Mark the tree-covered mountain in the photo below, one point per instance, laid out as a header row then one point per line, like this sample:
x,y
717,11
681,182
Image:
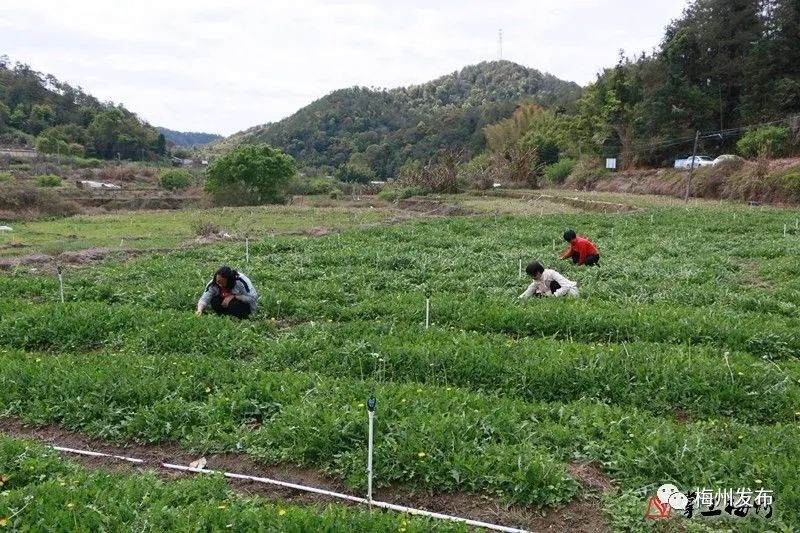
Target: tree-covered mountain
x,y
39,110
188,138
381,130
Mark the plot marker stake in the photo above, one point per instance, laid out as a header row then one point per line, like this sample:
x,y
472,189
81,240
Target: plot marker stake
x,y
60,283
371,402
427,309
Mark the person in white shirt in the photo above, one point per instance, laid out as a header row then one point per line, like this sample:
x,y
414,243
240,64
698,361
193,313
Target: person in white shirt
x,y
547,282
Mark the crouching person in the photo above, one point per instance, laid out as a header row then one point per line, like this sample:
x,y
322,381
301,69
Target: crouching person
x,y
229,293
547,282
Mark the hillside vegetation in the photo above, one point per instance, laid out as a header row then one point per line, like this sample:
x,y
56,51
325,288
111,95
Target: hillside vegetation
x,y
37,110
380,130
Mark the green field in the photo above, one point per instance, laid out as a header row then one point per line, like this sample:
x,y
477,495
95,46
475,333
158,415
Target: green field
x,y
157,229
678,363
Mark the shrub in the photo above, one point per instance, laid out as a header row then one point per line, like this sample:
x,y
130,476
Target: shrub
x,y
176,178
439,175
299,185
206,229
479,171
80,162
768,140
32,203
389,195
48,180
560,171
354,172
250,174
127,172
303,186
323,186
6,176
586,172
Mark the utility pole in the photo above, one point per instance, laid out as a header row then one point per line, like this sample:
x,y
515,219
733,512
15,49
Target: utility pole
x,y
500,44
691,166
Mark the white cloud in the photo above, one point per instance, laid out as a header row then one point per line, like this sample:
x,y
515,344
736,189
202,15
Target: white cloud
x,y
199,65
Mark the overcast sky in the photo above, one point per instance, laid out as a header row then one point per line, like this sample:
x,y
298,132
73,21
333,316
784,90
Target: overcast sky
x,y
224,66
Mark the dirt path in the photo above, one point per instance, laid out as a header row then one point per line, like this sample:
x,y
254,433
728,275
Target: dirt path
x,y
582,515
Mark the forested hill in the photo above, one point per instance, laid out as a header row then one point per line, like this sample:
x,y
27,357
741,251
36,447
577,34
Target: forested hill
x,y
383,129
38,110
188,138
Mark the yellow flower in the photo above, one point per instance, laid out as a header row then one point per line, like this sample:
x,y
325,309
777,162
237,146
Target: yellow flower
x,y
70,505
220,507
208,389
421,454
281,512
361,405
3,521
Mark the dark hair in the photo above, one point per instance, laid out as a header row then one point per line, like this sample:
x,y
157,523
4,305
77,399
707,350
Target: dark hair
x,y
569,235
533,268
228,273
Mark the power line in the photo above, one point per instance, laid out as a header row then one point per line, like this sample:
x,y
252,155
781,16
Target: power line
x,y
705,135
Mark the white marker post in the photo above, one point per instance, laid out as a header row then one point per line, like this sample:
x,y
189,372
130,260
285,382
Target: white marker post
x,y
427,309
371,402
60,283
520,268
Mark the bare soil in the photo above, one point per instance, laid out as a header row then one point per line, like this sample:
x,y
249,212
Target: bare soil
x,y
582,515
590,475
74,257
429,207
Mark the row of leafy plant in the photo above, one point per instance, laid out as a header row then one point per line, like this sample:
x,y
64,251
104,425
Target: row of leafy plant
x,y
657,377
430,437
41,491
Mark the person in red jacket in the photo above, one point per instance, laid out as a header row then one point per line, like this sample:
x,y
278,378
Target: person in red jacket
x,y
581,250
